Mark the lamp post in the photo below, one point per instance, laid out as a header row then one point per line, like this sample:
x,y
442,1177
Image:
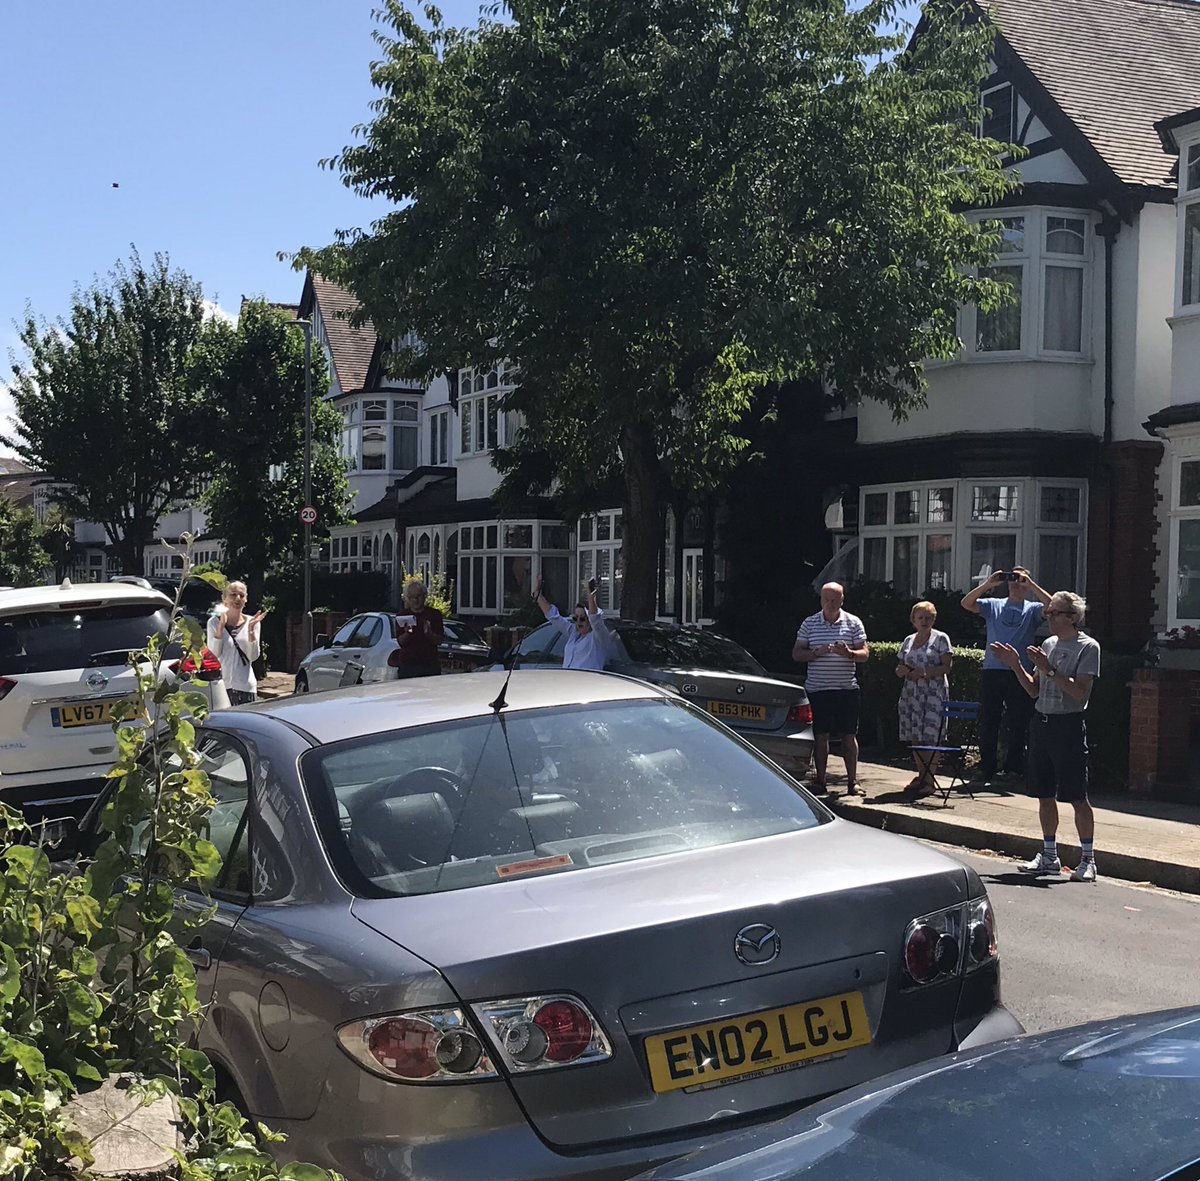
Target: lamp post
x,y
307,325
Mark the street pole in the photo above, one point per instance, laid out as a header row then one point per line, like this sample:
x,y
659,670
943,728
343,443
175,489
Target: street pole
x,y
308,622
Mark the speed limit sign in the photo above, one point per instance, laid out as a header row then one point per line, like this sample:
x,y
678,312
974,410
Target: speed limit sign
x,y
308,515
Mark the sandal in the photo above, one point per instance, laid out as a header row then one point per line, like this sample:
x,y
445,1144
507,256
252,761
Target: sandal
x,y
854,790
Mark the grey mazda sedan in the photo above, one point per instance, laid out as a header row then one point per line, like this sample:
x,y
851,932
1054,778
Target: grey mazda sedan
x,y
559,926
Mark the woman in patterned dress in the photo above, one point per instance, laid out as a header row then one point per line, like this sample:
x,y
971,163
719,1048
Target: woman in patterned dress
x,y
923,664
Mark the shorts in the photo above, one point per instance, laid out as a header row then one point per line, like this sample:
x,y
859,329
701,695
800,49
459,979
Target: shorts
x,y
835,711
1056,764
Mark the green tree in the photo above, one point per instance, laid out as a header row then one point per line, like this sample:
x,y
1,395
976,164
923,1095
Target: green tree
x,y
103,406
658,206
58,536
253,378
22,558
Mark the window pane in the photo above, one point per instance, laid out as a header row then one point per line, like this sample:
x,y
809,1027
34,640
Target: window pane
x,y
1187,599
374,449
1191,254
375,411
423,544
404,447
1062,322
603,527
1064,235
997,121
992,551
1012,234
480,410
941,506
465,419
478,537
994,502
616,526
604,576
404,411
555,537
518,537
1193,168
1000,330
875,508
1060,506
555,577
904,565
1189,483
939,560
908,506
493,412
875,558
465,597
586,524
492,533
518,582
1058,561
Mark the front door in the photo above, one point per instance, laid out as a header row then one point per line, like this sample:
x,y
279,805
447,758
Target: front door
x,y
693,585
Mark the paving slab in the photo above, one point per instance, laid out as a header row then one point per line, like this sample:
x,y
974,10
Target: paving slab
x,y
1137,840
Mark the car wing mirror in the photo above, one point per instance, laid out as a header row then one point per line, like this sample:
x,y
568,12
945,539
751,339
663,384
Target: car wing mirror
x,y
321,641
60,838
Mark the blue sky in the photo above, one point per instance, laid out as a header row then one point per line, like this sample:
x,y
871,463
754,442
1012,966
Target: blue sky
x,y
211,117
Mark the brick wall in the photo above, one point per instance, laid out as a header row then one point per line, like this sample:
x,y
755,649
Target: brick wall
x,y
1122,524
1163,702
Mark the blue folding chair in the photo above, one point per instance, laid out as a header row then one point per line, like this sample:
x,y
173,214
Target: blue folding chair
x,y
958,741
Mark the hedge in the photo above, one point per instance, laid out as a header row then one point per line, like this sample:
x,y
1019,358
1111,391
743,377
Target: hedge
x,y
1108,709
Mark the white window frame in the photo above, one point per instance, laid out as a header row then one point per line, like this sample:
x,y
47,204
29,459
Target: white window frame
x,y
438,430
400,413
1033,260
1012,118
589,545
1025,525
480,394
1186,202
1188,452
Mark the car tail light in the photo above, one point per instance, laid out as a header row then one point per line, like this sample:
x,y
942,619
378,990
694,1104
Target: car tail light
x,y
209,668
7,685
542,1032
982,944
430,1046
394,658
800,715
933,946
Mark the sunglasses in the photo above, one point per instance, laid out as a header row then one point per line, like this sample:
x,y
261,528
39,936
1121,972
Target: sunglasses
x,y
581,619
1056,611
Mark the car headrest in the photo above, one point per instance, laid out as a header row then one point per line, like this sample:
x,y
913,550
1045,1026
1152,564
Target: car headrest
x,y
410,829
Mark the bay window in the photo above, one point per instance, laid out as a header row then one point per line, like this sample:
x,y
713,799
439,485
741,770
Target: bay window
x,y
483,425
950,535
380,434
1045,263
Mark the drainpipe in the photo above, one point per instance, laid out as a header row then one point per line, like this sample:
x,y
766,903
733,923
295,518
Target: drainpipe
x,y
1108,229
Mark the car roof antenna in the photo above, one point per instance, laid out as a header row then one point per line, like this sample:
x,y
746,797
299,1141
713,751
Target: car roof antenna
x,y
501,697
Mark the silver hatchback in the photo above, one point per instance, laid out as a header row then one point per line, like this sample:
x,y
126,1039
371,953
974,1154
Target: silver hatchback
x,y
563,926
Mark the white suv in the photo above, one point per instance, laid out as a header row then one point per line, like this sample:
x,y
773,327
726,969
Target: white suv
x,y
63,665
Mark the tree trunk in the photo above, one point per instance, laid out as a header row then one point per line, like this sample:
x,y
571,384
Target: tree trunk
x,y
642,527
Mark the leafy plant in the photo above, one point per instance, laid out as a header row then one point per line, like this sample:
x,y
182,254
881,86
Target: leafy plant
x,y
22,557
92,982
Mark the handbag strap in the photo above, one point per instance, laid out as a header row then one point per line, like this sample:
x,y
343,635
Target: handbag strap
x,y
233,640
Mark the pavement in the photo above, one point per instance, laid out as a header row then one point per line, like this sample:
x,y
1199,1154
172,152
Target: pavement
x,y
1137,840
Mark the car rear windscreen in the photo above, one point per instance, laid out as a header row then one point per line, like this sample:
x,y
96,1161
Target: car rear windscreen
x,y
85,636
687,649
483,800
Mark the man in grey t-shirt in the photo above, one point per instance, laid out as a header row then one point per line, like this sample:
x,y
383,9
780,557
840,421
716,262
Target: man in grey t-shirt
x,y
1064,670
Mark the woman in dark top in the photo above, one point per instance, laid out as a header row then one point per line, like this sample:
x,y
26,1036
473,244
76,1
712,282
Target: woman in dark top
x,y
419,640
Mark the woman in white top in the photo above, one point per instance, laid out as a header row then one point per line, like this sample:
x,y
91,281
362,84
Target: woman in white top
x,y
589,642
233,640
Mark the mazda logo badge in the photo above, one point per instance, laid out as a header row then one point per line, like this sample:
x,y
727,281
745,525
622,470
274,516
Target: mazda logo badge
x,y
96,680
756,945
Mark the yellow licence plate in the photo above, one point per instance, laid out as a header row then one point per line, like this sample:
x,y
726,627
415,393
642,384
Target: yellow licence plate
x,y
725,1050
738,711
94,713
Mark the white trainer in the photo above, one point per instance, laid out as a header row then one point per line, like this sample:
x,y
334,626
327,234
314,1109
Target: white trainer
x,y
1085,871
1041,864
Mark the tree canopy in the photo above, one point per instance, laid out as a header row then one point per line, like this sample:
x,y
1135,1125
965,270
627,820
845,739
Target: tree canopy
x,y
103,404
657,207
22,558
253,379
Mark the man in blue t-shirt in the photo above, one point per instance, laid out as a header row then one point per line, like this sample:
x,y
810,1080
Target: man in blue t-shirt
x,y
1012,620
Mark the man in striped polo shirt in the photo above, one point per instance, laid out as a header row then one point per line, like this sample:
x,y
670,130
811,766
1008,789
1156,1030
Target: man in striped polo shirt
x,y
831,643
